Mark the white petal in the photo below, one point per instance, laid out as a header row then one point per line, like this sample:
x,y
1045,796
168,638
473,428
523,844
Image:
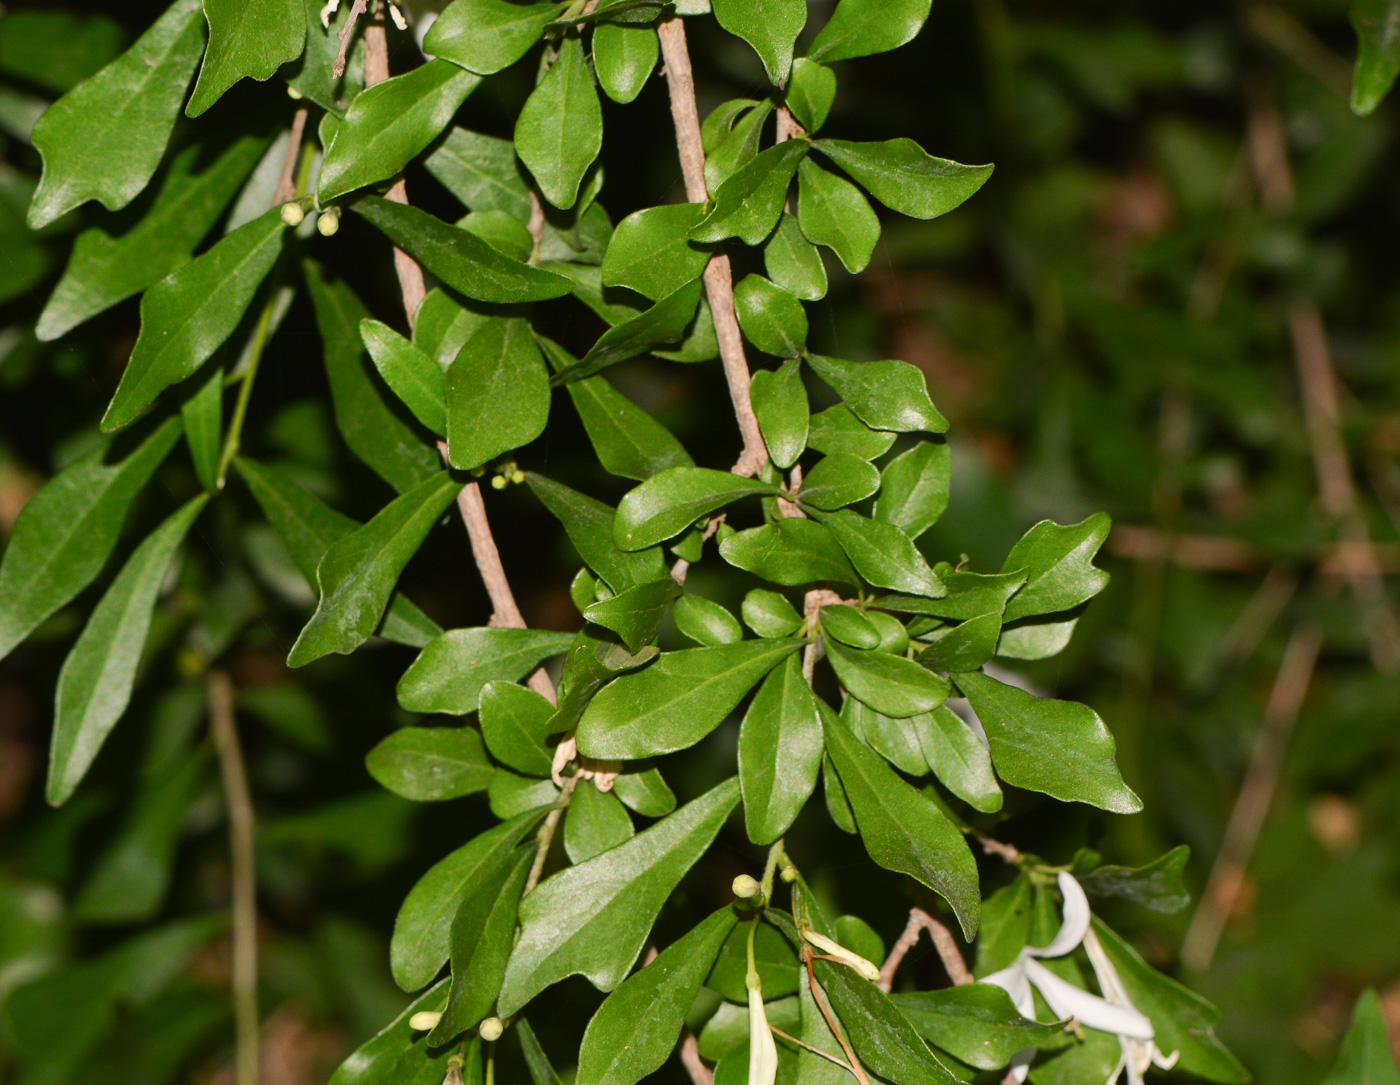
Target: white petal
x,y
763,1051
1164,1062
1110,983
1076,920
1020,1064
1013,981
1067,1000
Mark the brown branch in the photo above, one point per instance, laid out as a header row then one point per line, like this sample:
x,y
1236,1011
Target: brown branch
x,y
1007,853
820,999
338,68
1255,797
700,1074
223,727
943,942
719,279
287,183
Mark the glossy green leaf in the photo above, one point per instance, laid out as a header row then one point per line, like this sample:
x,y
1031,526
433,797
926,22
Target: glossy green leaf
x,y
903,830
422,931
889,684
780,402
838,480
896,740
832,212
772,319
497,393
459,258
812,1069
1378,52
202,415
882,553
515,724
536,1061
888,395
442,326
95,683
481,171
636,614
811,93
676,701
748,204
430,764
959,759
589,525
664,322
313,75
510,795
635,1030
104,139
1019,725
1006,926
363,415
780,752
769,614
502,231
969,594
770,26
596,821
624,58
389,124
1058,562
485,36
449,673
400,1052
859,28
963,647
793,262
560,128
736,146
187,316
904,178
705,621
247,38
1157,885
412,373
837,429
849,626
651,251
791,551
976,1023
641,788
357,574
837,805
594,918
1367,1057
667,503
774,958
66,532
914,488
628,441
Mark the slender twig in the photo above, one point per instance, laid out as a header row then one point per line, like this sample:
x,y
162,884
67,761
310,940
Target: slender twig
x,y
819,997
338,68
1274,593
545,837
1255,797
224,728
809,1047
245,388
536,225
719,279
700,1074
682,567
1008,853
287,183
943,942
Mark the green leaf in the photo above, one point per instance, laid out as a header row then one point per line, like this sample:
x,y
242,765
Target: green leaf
x,y
903,830
772,319
400,1052
969,594
57,49
442,327
838,480
624,58
1058,562
748,204
859,28
422,931
510,795
187,316
738,145
651,251
636,614
812,1069
515,724
904,178
313,76
357,574
641,788
636,1028
882,553
837,429
1377,26
95,683
202,415
780,402
780,752
811,92
793,262
1367,1057
664,322
536,1061
483,931
888,395
104,139
669,502
411,373
1157,885
65,533
378,436
560,128
897,741
251,38
1006,926
976,1023
497,393
430,764
705,621
769,614
449,673
485,36
770,26
959,759
1019,726
837,805
963,647
627,440
914,488
832,212
675,702
501,230
774,958
595,823
849,626
389,124
892,685
790,551
594,918
460,259
123,256
589,525
481,171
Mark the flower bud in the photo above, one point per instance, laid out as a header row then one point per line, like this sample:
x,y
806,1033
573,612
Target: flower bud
x,y
424,1020
294,94
491,1029
292,214
499,482
329,222
788,874
763,1051
842,954
746,887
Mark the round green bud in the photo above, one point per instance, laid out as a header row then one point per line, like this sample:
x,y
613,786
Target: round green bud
x,y
746,887
789,874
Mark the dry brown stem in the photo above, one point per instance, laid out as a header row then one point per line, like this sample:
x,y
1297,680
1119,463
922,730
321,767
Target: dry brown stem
x,y
943,942
287,182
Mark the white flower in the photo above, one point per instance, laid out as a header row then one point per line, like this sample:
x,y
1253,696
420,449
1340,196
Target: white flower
x,y
1113,1013
763,1051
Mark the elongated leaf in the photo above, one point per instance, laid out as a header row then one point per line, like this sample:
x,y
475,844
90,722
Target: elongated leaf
x,y
914,488
882,553
357,574
641,788
1058,562
313,75
389,124
104,139
901,829
589,525
833,212
837,429
964,647
888,395
202,414
772,319
791,551
838,480
430,764
627,440
664,322
769,614
485,36
1019,726
413,375
1157,885
497,393
95,683
969,594
770,26
705,621
676,701
859,28
1376,23
636,614
247,38
596,822
780,752
651,251
959,759
896,740
459,258
731,136
976,1023
560,128
889,684
449,673
774,959
481,171
593,919
780,402
624,58
187,316
883,1038
748,204
515,724
811,93
669,502
592,662
400,1052
793,262
635,1029
510,795
66,532
1367,1057
904,178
